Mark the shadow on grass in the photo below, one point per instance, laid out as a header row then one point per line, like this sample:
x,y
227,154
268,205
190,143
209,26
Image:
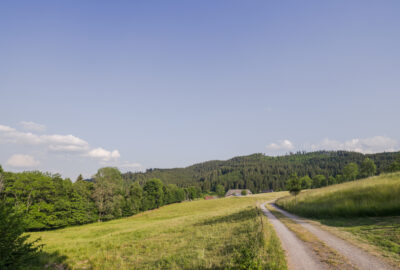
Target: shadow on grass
x,y
51,261
393,221
242,215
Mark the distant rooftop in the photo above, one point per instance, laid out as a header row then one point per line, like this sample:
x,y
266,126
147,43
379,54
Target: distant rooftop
x,y
236,192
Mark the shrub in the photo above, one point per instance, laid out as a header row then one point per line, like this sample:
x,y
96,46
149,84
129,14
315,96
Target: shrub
x,y
15,251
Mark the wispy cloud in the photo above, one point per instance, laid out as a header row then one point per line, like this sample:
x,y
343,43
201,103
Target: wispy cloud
x,y
283,145
22,161
29,125
363,145
56,143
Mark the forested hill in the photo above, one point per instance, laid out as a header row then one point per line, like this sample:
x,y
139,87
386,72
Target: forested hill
x,y
259,172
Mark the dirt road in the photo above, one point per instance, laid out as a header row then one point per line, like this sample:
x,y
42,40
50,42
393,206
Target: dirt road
x,y
298,260
299,256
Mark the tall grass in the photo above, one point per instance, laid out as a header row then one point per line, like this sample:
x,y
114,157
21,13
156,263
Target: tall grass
x,y
225,233
374,196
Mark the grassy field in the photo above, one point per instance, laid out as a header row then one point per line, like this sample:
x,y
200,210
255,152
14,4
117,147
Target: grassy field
x,y
214,234
374,196
382,232
368,208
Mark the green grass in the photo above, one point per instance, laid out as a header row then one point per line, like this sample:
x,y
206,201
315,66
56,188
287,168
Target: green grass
x,y
227,233
379,231
374,196
367,208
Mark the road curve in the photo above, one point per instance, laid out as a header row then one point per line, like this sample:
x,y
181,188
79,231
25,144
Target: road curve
x,y
299,256
355,255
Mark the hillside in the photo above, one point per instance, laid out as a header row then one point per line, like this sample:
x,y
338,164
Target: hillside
x,y
369,209
228,233
374,196
258,172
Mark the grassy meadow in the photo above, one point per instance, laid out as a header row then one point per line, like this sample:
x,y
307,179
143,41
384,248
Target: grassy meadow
x,y
367,208
214,234
374,196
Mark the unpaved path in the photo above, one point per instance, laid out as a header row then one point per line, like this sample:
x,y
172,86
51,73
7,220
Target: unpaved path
x,y
355,255
299,256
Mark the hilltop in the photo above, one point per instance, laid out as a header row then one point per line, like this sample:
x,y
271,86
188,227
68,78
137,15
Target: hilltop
x,y
259,172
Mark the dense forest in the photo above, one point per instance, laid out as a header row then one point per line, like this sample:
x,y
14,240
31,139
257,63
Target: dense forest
x,y
260,173
47,201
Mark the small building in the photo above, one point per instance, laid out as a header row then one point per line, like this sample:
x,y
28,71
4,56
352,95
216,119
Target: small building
x,y
237,192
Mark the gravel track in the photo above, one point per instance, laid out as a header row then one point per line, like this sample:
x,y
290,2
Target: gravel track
x,y
298,255
358,257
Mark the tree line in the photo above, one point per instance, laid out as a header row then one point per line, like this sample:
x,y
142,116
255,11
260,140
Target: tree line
x,y
259,172
48,201
351,172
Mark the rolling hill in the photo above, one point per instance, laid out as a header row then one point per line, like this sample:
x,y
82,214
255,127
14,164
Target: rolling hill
x,y
259,172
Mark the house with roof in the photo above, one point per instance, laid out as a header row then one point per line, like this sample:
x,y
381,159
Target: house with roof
x,y
237,192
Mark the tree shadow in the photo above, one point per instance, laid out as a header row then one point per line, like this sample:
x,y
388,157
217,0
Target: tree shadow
x,y
391,221
242,215
51,261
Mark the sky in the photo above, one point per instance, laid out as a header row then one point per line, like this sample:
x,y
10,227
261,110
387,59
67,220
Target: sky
x,y
161,84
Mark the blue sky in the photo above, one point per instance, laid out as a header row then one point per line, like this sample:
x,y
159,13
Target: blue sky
x,y
143,84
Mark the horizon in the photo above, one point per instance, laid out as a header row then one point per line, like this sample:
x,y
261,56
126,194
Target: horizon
x,y
299,152
169,85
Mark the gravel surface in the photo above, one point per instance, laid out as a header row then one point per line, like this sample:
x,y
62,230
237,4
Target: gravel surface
x,y
355,255
298,255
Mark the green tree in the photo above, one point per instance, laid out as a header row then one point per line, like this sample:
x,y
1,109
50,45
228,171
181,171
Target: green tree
x,y
16,252
171,194
107,193
244,192
136,194
153,194
220,190
293,184
80,178
88,210
319,180
306,182
339,178
350,171
193,192
332,180
394,167
367,168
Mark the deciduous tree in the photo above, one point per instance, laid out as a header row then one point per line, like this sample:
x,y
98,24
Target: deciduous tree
x,y
367,168
350,171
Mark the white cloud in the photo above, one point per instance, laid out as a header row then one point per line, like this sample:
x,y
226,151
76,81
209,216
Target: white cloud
x,y
56,142
6,129
65,143
363,145
32,126
103,154
23,161
281,145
